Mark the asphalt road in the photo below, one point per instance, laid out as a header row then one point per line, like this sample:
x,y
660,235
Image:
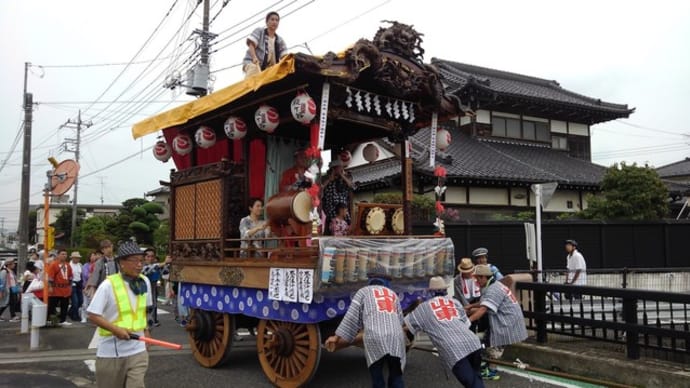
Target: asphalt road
x,y
65,362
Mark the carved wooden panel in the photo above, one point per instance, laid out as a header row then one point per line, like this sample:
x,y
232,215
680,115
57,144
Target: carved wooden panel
x,y
184,212
208,210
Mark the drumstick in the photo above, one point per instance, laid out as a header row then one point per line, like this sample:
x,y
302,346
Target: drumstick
x,y
152,341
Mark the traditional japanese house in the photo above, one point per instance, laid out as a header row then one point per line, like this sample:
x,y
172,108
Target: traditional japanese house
x,y
525,130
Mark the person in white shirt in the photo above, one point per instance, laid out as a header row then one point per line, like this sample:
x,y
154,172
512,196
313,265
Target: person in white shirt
x,y
77,297
121,361
576,265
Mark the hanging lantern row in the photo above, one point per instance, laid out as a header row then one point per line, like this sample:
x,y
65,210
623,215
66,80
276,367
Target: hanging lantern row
x,y
266,117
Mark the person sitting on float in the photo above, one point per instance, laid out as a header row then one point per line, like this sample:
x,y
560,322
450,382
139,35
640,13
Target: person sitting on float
x,y
264,47
253,229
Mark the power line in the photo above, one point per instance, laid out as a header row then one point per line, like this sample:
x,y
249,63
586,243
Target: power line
x,y
15,142
114,163
651,129
137,54
349,20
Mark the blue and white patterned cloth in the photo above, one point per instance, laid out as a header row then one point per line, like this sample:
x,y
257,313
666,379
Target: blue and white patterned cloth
x,y
254,302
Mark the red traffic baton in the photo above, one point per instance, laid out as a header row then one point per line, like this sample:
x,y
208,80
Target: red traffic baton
x,y
152,341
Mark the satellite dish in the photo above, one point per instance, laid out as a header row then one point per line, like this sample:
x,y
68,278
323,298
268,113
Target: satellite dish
x,y
63,176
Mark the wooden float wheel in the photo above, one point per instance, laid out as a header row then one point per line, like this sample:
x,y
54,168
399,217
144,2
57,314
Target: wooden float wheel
x,y
289,352
210,336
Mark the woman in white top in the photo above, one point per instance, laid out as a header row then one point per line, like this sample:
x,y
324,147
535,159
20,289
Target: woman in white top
x,y
253,228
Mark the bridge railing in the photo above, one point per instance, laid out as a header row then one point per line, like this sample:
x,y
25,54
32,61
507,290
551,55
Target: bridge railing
x,y
658,279
634,318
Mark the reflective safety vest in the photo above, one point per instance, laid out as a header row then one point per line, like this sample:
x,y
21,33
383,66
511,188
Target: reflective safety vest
x,y
132,319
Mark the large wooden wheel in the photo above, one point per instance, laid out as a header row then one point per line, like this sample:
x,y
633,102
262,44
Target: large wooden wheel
x,y
210,336
289,352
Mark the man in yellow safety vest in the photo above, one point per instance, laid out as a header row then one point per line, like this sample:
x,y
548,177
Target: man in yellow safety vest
x,y
118,308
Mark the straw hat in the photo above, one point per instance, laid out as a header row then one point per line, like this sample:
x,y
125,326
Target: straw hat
x,y
483,270
75,254
466,265
437,283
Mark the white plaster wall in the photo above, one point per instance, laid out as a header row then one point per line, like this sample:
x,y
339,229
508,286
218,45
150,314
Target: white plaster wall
x,y
559,126
488,196
484,116
578,129
517,201
559,201
464,120
456,195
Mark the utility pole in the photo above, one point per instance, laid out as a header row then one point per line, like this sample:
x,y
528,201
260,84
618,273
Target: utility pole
x,y
26,176
101,178
77,125
206,36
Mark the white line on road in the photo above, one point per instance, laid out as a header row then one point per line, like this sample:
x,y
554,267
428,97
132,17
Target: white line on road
x,y
91,364
541,379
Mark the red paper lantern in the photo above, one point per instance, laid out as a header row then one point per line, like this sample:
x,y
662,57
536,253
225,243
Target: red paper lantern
x,y
267,118
162,151
205,137
235,128
303,108
182,144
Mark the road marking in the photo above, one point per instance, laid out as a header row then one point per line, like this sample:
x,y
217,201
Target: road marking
x,y
544,379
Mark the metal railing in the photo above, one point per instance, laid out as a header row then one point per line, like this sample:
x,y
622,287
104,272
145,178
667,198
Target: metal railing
x,y
635,318
656,279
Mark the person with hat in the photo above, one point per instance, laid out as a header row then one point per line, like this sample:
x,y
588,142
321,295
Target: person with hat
x,y
118,308
104,267
59,288
77,297
337,188
481,256
444,320
376,309
506,322
10,291
466,288
576,265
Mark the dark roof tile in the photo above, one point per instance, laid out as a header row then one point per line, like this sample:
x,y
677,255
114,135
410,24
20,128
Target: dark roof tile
x,y
679,168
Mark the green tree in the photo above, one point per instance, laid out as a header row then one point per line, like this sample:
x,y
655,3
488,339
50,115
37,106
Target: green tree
x,y
63,226
93,230
161,238
136,219
629,192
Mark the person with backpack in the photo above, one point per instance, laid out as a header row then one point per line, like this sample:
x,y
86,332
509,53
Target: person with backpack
x,y
103,268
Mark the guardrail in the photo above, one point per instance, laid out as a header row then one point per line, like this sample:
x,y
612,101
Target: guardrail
x,y
634,318
658,279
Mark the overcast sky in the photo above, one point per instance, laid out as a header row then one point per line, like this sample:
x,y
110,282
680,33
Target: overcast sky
x,y
636,53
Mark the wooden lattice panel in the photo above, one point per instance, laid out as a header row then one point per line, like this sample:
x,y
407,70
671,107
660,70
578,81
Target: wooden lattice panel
x,y
208,210
184,212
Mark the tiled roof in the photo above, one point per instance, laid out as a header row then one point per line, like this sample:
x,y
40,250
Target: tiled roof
x,y
368,174
457,76
493,160
679,168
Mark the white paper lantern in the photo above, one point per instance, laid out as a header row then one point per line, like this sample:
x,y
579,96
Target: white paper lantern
x,y
303,108
162,151
443,139
370,152
235,128
345,157
182,144
267,118
205,137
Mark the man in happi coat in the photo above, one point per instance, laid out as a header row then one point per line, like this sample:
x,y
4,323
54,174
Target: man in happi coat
x,y
376,309
506,322
444,320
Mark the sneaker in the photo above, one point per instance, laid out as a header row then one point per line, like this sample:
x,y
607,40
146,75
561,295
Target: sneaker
x,y
65,323
83,320
15,319
156,324
490,374
2,319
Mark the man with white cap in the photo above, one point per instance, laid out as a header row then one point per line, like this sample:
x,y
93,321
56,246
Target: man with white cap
x,y
466,288
375,309
444,320
506,322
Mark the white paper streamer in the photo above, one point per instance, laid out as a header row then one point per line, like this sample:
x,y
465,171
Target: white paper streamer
x,y
432,145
